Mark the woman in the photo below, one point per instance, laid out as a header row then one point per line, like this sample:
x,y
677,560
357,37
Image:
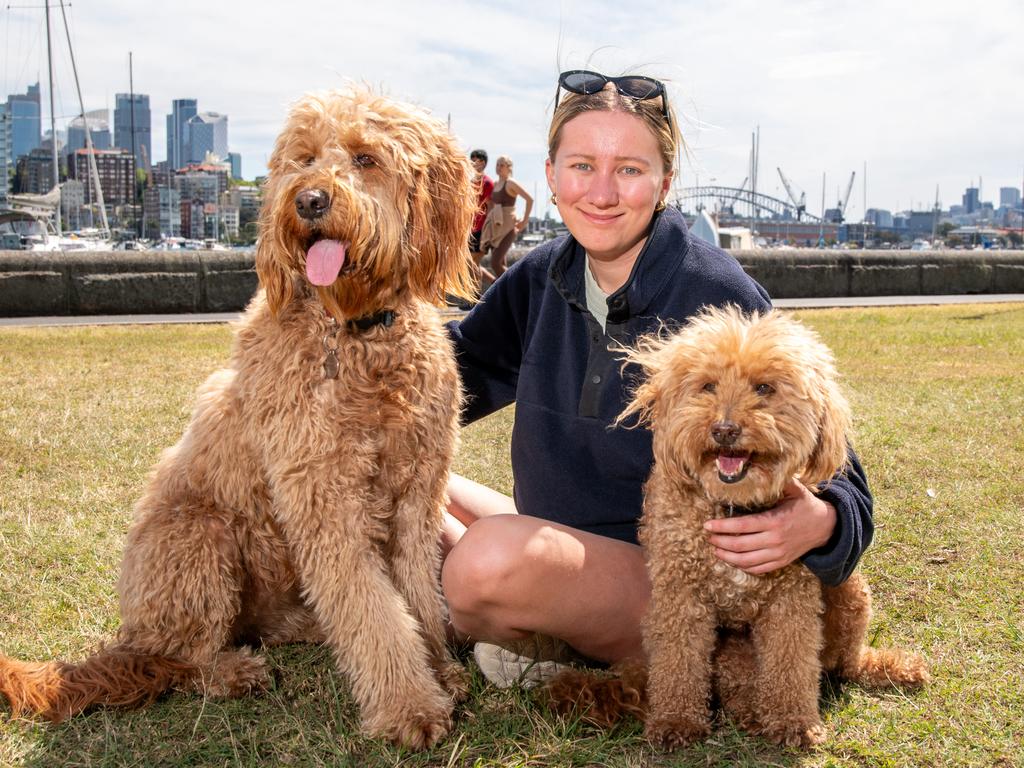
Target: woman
x,y
560,559
501,227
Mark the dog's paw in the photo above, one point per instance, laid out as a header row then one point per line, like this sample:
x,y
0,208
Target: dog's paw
x,y
419,731
234,674
674,732
794,734
417,723
454,679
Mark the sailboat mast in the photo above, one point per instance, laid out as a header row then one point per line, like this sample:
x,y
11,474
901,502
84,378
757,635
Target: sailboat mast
x,y
85,121
53,121
135,197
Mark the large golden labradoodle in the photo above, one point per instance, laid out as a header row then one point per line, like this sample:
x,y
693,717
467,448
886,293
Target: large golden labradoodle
x,y
737,406
305,500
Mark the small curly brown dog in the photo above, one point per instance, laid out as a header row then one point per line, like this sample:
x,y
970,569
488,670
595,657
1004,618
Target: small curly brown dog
x,y
737,406
305,499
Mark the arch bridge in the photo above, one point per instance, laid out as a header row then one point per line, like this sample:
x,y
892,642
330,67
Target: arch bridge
x,y
755,203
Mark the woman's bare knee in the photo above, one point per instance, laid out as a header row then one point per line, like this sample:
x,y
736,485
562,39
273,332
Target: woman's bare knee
x,y
479,573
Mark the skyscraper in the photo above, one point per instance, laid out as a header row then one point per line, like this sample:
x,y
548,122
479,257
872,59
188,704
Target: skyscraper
x,y
5,152
26,121
99,131
971,200
208,132
178,154
1009,197
123,126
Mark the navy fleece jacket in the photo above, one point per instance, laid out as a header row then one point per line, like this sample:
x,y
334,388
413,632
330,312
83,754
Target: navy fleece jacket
x,y
532,341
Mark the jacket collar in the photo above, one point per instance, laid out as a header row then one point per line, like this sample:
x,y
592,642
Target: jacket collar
x,y
656,265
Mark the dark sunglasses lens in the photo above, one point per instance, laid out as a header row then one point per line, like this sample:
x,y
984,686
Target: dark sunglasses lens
x,y
638,87
583,82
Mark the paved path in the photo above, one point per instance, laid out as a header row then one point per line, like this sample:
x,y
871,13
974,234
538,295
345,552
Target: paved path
x,y
224,317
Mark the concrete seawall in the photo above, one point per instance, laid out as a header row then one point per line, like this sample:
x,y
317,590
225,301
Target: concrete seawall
x,y
154,282
124,282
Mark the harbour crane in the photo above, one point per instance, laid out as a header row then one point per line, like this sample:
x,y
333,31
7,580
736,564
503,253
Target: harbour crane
x,y
845,198
801,203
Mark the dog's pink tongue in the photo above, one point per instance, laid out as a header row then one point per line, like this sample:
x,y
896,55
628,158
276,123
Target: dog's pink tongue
x,y
730,465
324,261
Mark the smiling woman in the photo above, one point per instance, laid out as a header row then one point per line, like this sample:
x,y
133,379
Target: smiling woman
x,y
607,178
568,565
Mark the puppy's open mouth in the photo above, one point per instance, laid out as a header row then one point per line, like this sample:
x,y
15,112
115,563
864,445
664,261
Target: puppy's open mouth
x,y
732,466
324,260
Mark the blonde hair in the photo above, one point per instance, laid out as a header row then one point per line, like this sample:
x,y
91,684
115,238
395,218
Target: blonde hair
x,y
503,160
610,100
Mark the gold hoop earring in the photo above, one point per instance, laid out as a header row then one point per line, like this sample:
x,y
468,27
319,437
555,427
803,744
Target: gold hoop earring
x,y
554,199
660,206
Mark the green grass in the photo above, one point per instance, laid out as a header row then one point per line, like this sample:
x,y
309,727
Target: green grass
x,y
938,394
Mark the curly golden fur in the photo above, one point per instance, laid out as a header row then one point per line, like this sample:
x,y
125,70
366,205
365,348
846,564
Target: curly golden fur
x,y
299,506
737,406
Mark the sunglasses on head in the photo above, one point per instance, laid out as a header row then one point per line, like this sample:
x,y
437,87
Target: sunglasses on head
x,y
637,87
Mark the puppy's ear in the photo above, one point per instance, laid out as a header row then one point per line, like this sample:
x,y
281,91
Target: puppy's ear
x,y
650,354
270,263
442,206
645,397
830,452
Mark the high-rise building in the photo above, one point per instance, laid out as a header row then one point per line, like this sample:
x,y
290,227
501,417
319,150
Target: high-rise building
x,y
116,169
34,172
178,154
202,183
161,212
1009,197
26,121
126,104
879,217
208,133
99,131
72,200
236,164
972,200
5,153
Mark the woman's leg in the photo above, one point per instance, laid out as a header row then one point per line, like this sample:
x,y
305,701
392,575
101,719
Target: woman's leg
x,y
510,576
482,272
498,254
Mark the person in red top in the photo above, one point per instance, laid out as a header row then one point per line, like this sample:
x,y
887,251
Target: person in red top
x,y
485,186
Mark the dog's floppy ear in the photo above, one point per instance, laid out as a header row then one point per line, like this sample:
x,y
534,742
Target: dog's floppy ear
x,y
270,262
651,353
830,452
442,207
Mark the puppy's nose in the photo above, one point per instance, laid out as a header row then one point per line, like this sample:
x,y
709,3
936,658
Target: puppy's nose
x,y
726,433
312,203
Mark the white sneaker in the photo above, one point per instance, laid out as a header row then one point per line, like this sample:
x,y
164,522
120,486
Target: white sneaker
x,y
526,663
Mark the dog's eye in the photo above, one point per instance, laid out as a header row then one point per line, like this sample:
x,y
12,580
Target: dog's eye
x,y
307,160
364,160
709,387
764,390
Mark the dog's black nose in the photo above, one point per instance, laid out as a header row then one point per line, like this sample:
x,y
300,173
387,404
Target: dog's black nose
x,y
726,432
312,203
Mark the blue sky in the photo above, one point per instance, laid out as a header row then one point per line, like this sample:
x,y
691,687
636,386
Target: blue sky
x,y
925,94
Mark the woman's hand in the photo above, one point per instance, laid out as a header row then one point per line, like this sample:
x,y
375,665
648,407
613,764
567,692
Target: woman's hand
x,y
771,540
520,225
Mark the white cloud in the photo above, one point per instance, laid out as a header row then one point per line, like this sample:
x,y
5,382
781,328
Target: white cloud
x,y
926,94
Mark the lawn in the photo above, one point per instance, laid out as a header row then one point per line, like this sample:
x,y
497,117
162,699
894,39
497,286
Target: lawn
x,y
938,394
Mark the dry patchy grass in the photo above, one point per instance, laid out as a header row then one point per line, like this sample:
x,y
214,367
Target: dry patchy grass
x,y
939,398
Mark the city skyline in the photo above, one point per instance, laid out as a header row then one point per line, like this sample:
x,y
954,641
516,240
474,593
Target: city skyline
x,y
924,98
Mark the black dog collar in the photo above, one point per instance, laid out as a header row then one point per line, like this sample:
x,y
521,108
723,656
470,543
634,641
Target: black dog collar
x,y
732,510
385,317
